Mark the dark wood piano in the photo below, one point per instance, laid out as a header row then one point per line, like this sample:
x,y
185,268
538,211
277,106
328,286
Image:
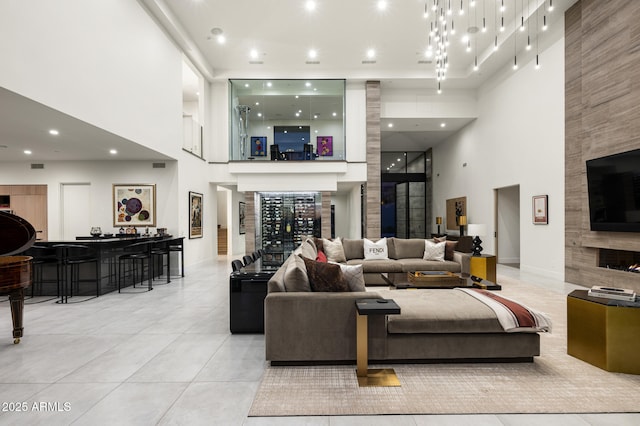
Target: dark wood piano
x,y
16,236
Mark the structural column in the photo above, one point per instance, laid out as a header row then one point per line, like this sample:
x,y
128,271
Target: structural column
x,y
325,213
372,187
249,222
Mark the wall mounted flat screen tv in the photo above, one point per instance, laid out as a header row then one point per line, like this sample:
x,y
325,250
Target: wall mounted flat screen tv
x,y
614,192
291,138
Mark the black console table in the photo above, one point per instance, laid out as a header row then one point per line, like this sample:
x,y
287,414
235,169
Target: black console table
x,y
247,290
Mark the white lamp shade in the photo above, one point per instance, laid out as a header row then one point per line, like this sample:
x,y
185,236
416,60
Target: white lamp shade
x,y
475,229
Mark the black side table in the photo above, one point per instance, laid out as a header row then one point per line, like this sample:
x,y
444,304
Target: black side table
x,y
367,376
247,291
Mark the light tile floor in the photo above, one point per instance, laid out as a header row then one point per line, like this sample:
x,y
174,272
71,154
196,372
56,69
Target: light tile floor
x,y
167,357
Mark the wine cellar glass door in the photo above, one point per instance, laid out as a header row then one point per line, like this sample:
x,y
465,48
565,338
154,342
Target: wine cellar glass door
x,y
285,219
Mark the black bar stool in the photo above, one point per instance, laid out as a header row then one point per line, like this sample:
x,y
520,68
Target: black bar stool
x,y
70,258
158,250
136,255
42,256
248,260
178,246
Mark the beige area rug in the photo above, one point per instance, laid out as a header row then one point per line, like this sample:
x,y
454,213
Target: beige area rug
x,y
554,383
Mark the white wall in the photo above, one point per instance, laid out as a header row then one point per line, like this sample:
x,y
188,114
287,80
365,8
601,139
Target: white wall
x,y
104,62
518,138
100,175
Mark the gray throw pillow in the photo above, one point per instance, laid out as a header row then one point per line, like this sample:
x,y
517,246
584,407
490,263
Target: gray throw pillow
x,y
333,250
295,276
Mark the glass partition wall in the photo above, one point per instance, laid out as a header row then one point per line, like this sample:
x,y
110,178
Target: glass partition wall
x,y
285,120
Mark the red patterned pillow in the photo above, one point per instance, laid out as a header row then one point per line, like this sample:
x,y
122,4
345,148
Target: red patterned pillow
x,y
321,257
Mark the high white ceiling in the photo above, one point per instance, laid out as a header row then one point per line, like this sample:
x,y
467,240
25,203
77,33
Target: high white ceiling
x,y
282,32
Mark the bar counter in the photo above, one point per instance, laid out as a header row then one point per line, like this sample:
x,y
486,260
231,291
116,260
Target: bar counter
x,y
107,251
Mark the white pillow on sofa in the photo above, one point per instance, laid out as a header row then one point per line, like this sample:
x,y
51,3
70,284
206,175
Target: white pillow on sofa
x,y
354,276
434,251
377,250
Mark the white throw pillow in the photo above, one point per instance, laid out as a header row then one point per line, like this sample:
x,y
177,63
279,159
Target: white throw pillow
x,y
354,276
334,250
377,250
434,251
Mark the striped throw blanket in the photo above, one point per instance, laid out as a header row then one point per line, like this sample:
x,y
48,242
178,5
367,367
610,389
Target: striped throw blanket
x,y
513,316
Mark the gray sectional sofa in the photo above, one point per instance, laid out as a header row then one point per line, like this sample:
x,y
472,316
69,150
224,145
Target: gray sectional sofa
x,y
434,325
405,255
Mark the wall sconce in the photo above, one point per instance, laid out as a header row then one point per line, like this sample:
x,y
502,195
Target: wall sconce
x,y
477,231
438,222
462,222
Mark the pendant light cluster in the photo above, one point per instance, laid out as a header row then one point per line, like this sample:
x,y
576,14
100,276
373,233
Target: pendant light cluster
x,y
468,21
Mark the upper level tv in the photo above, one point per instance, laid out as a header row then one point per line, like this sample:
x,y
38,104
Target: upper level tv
x,y
614,192
291,138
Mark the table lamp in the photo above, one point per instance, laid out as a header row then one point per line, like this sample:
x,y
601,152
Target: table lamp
x,y
462,222
477,231
438,222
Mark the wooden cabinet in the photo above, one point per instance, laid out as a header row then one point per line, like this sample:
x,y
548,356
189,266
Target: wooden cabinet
x,y
484,266
30,203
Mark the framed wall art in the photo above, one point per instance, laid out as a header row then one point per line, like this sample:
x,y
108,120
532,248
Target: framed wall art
x,y
195,215
456,207
540,209
325,146
258,146
134,205
241,217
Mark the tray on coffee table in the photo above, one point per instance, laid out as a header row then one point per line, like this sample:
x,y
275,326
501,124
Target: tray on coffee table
x,y
435,279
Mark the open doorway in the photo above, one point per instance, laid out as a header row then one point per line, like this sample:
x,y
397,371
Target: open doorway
x,y
507,225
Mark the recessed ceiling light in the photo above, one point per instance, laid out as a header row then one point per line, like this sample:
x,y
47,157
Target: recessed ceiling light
x,y
259,114
27,151
382,4
254,54
113,151
371,53
334,114
221,39
269,84
257,103
312,54
399,160
390,125
310,5
54,132
443,124
308,84
297,96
